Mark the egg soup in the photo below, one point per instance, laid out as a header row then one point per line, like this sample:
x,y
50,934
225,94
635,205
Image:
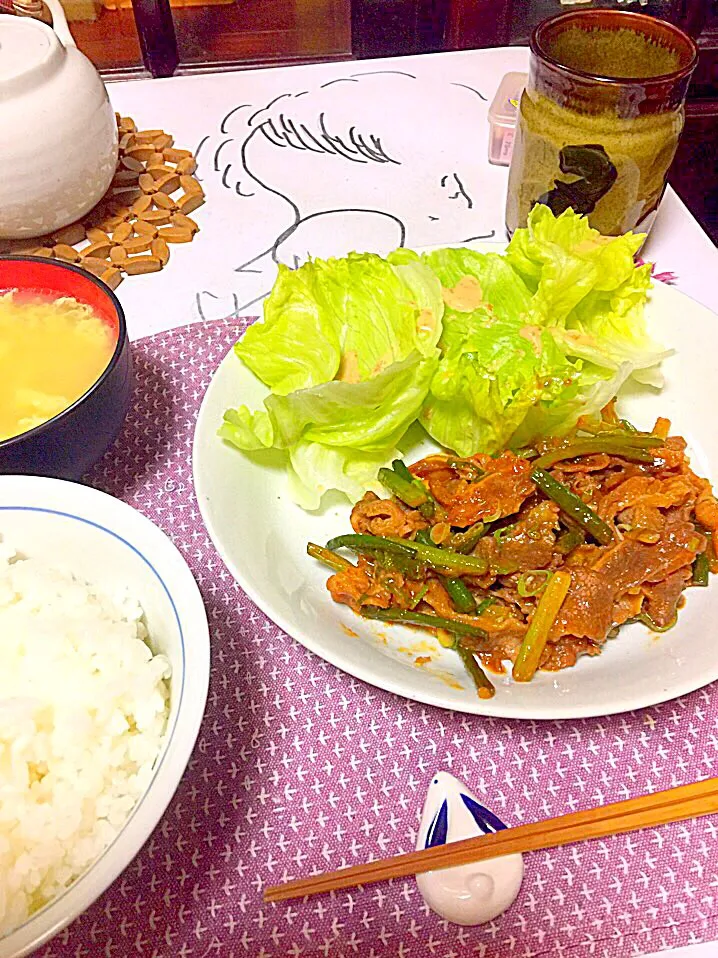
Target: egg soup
x,y
51,352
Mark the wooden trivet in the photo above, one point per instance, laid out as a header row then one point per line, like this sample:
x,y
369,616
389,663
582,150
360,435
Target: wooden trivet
x,y
145,209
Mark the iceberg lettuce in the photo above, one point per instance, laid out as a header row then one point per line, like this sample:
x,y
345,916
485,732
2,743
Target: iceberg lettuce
x,y
485,350
348,348
589,289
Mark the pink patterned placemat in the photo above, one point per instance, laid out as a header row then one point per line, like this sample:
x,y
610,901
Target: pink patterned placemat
x,y
299,767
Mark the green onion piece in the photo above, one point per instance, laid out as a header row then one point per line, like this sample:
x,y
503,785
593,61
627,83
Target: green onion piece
x,y
438,559
446,559
628,447
645,618
503,533
409,617
532,582
437,510
534,642
446,639
426,503
461,596
467,469
628,426
569,541
413,495
573,506
484,604
484,687
329,558
526,452
701,570
424,536
402,470
465,541
426,509
402,562
360,543
419,595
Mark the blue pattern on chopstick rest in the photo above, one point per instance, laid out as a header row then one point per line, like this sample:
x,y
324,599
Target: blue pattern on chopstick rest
x,y
486,820
439,828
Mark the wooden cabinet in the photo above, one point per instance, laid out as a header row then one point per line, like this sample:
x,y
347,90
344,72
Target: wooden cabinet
x,y
695,171
472,23
162,37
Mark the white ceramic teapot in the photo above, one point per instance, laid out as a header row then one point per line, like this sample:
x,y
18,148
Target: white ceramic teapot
x,y
58,135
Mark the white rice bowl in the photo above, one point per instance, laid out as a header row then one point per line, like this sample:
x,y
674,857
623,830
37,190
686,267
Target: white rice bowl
x,y
83,711
114,765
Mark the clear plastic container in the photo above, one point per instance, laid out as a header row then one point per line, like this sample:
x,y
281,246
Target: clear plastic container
x,y
502,118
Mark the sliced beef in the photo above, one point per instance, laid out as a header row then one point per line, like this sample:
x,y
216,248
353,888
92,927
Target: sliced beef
x,y
564,653
662,598
627,607
385,517
587,610
356,586
527,544
661,494
501,491
631,563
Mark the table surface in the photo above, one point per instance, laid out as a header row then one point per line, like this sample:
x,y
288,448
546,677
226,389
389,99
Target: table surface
x,y
327,158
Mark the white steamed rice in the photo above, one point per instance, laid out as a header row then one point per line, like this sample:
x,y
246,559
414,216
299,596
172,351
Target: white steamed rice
x,y
83,710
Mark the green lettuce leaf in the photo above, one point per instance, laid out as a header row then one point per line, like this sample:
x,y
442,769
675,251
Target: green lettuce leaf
x,y
490,375
297,345
316,469
342,318
501,286
610,331
348,348
576,295
483,350
562,259
425,288
589,288
369,415
247,430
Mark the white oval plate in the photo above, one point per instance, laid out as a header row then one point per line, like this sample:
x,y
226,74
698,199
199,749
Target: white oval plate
x,y
262,535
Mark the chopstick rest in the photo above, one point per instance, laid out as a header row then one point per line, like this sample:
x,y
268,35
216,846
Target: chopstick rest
x,y
467,894
646,811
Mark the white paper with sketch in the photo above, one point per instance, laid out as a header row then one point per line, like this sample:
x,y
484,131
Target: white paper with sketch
x,y
326,159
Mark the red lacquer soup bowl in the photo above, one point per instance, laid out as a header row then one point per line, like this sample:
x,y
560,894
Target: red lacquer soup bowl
x,y
73,440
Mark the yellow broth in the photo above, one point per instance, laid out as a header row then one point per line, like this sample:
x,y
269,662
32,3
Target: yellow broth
x,y
51,352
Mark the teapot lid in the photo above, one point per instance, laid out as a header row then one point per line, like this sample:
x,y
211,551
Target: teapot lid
x,y
29,51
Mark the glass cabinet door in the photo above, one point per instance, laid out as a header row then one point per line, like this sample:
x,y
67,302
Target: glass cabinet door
x,y
526,14
222,31
162,37
105,31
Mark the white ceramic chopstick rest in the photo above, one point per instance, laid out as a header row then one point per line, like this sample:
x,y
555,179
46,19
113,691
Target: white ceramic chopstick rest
x,y
467,894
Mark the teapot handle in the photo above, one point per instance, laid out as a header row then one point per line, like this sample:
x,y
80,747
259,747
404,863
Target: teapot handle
x,y
59,23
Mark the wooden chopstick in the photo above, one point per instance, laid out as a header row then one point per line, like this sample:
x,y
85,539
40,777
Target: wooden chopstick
x,y
659,808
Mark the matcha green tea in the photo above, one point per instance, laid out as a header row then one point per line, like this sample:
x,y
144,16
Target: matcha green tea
x,y
600,119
